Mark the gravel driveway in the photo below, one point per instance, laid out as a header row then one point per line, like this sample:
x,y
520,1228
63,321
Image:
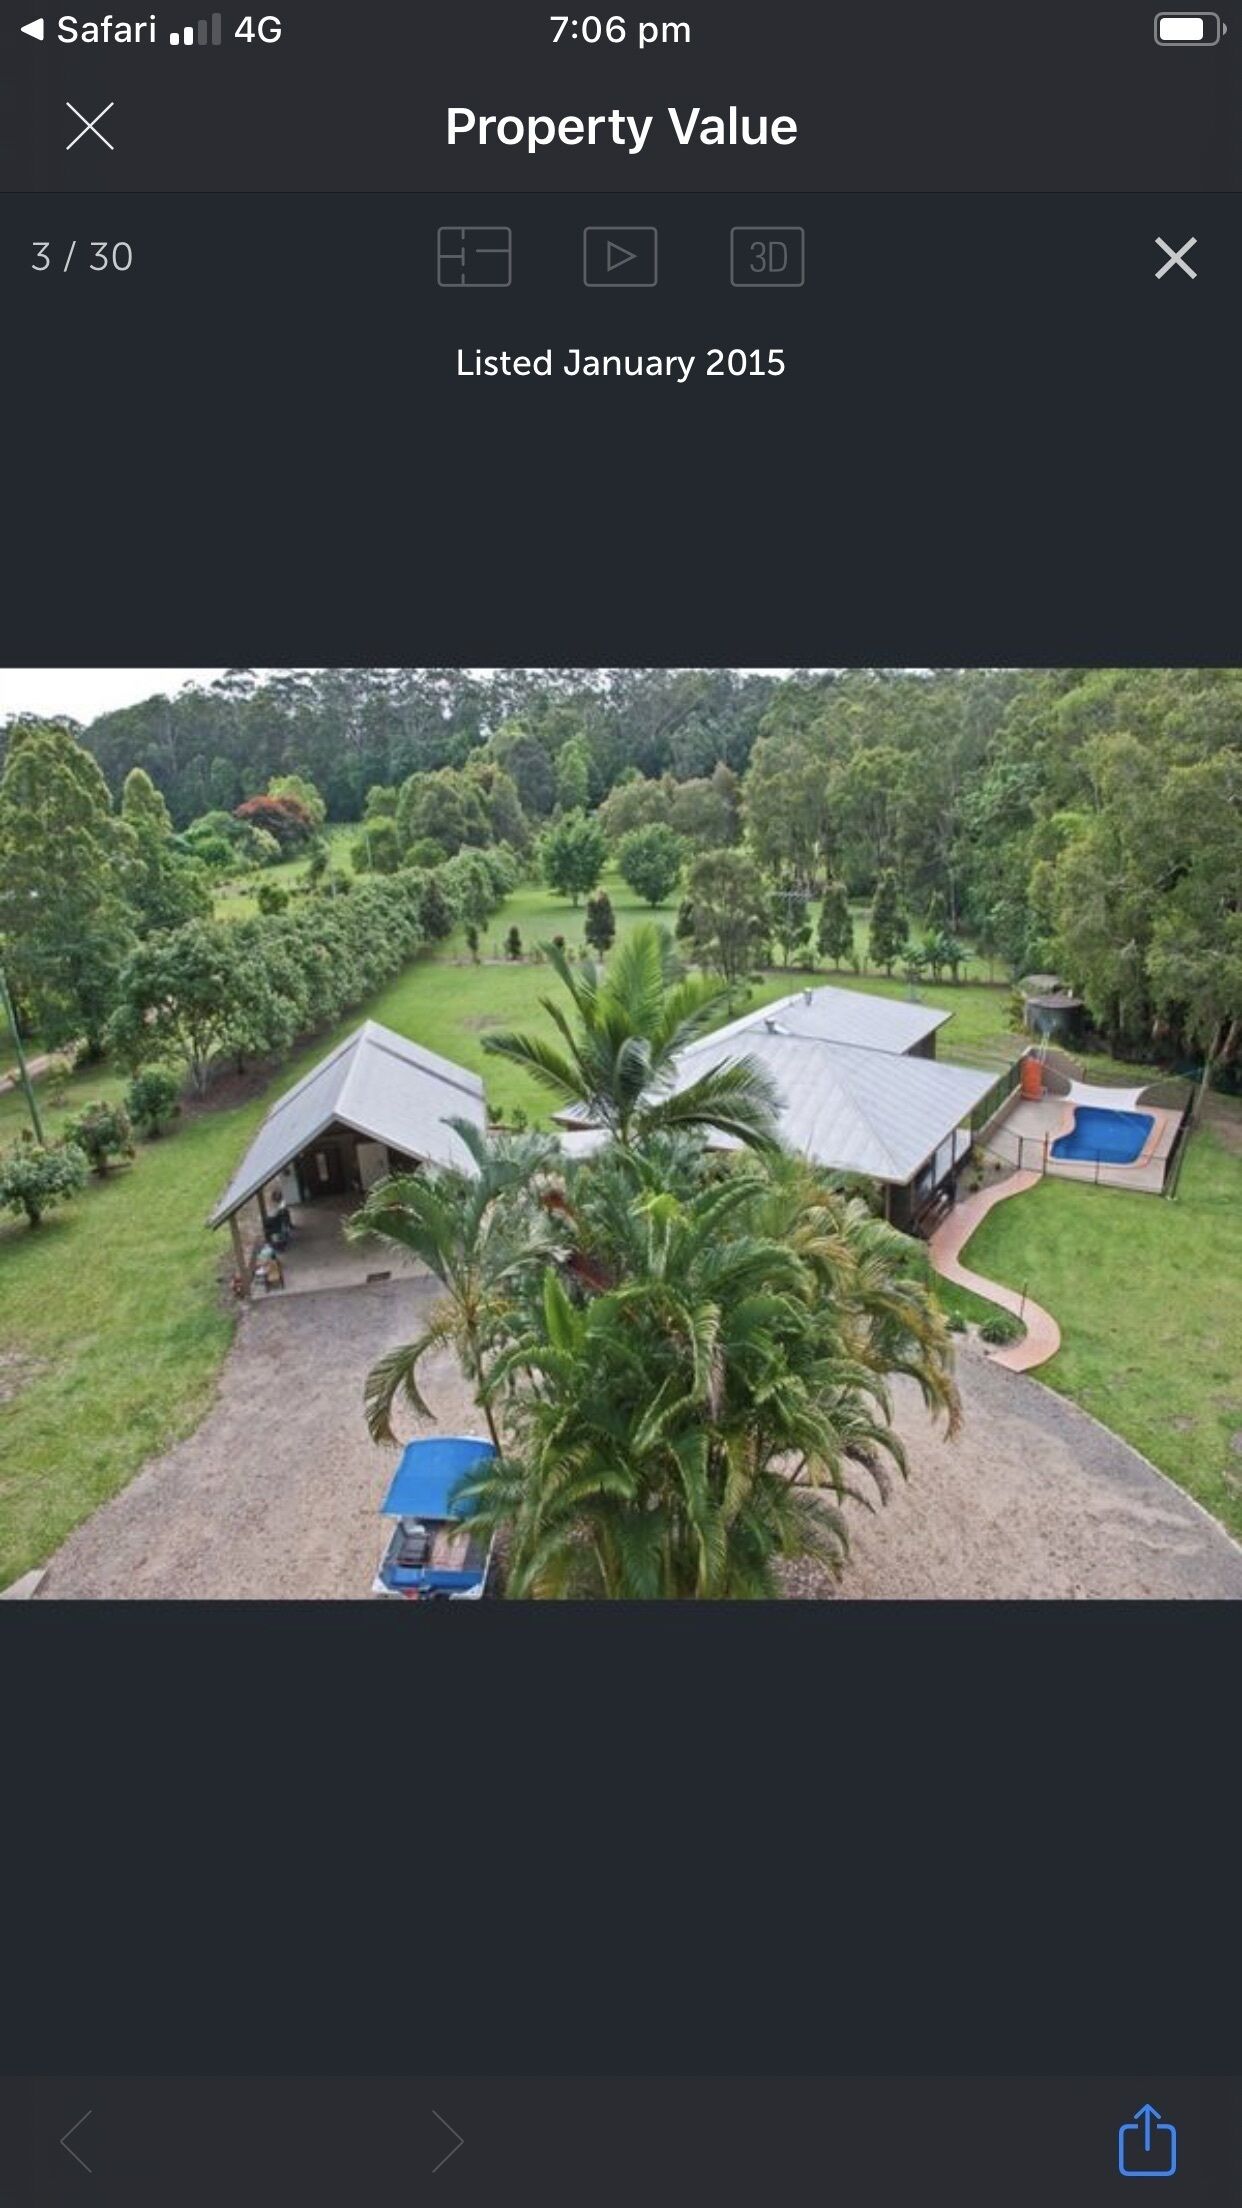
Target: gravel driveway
x,y
277,1493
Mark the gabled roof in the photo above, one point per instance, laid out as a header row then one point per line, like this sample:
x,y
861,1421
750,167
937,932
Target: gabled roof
x,y
856,1111
385,1088
886,1024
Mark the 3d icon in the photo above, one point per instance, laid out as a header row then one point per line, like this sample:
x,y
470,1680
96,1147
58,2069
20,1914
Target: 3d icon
x,y
1146,2146
35,29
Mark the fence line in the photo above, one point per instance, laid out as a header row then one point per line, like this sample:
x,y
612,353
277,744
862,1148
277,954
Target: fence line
x,y
1034,1154
1001,1090
1179,1146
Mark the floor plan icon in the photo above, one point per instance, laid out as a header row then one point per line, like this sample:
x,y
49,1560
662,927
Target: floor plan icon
x,y
473,256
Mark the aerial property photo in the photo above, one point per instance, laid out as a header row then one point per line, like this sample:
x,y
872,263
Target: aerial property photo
x,y
620,1134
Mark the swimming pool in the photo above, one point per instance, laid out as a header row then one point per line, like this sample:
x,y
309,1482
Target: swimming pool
x,y
1100,1137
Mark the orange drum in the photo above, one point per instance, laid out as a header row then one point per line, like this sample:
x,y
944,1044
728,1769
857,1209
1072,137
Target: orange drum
x,y
1032,1078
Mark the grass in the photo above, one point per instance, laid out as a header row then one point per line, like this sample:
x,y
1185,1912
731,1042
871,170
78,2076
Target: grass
x,y
450,1003
1148,1294
113,1330
237,895
957,1302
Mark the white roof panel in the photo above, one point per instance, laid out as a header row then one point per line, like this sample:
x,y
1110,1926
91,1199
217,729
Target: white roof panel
x,y
381,1085
849,1016
854,1110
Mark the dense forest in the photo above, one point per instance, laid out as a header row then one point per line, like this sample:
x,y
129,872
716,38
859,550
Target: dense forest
x,y
347,729
1083,822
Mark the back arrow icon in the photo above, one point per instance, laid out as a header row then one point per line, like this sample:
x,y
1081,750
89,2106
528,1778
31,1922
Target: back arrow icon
x,y
458,2141
73,2150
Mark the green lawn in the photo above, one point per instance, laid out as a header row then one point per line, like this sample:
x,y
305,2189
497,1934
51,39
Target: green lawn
x,y
1148,1295
112,1327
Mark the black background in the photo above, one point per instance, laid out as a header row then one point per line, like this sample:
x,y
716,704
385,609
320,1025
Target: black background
x,y
837,1838
790,1839
474,2139
898,96
999,438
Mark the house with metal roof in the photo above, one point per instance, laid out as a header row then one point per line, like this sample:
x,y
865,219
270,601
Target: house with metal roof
x,y
861,1090
885,1115
375,1105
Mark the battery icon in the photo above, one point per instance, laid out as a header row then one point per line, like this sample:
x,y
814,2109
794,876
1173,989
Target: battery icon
x,y
1188,30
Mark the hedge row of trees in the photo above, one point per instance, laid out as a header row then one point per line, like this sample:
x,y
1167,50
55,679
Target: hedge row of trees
x,y
248,988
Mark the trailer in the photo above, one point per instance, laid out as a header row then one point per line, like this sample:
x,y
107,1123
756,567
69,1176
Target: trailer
x,y
431,1554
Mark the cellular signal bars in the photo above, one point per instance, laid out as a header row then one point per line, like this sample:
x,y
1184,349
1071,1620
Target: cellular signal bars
x,y
186,37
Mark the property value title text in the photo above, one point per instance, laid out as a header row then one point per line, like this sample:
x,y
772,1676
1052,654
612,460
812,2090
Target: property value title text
x,y
692,126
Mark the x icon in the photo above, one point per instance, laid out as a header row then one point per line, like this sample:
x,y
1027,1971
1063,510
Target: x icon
x,y
1176,259
89,127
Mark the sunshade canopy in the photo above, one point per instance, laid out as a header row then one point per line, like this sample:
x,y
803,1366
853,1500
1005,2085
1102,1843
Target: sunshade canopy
x,y
423,1482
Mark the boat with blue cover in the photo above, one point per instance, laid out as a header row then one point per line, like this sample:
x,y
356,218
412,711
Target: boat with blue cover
x,y
431,1554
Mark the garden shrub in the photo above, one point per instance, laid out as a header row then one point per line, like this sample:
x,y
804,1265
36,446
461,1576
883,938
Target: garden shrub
x,y
152,1100
34,1176
104,1135
1002,1329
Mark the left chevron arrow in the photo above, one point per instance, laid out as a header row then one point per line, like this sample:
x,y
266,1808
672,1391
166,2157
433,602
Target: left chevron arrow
x,y
67,2136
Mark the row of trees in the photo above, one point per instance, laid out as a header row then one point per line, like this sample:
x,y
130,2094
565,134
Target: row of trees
x,y
683,1359
245,989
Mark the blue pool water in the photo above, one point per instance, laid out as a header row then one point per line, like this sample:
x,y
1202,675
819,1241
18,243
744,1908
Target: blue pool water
x,y
1105,1138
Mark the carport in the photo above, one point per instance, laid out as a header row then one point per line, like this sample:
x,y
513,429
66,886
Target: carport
x,y
378,1104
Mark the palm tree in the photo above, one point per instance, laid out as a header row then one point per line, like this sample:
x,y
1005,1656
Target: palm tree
x,y
704,1415
618,1059
871,1268
478,1232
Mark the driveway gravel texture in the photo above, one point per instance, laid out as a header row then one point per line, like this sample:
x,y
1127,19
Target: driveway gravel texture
x,y
278,1493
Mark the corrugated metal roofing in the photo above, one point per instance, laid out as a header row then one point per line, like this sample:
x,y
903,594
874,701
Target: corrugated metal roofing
x,y
850,1016
854,1110
831,1015
382,1086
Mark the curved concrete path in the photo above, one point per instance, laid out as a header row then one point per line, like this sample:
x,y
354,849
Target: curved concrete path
x,y
1043,1335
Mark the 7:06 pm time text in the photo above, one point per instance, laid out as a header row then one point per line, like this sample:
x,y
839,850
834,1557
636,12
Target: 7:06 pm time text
x,y
594,30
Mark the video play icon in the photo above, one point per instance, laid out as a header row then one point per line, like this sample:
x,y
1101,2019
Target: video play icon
x,y
620,256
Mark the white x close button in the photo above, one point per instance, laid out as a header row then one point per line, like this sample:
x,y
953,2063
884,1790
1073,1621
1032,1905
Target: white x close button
x,y
1177,258
90,130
